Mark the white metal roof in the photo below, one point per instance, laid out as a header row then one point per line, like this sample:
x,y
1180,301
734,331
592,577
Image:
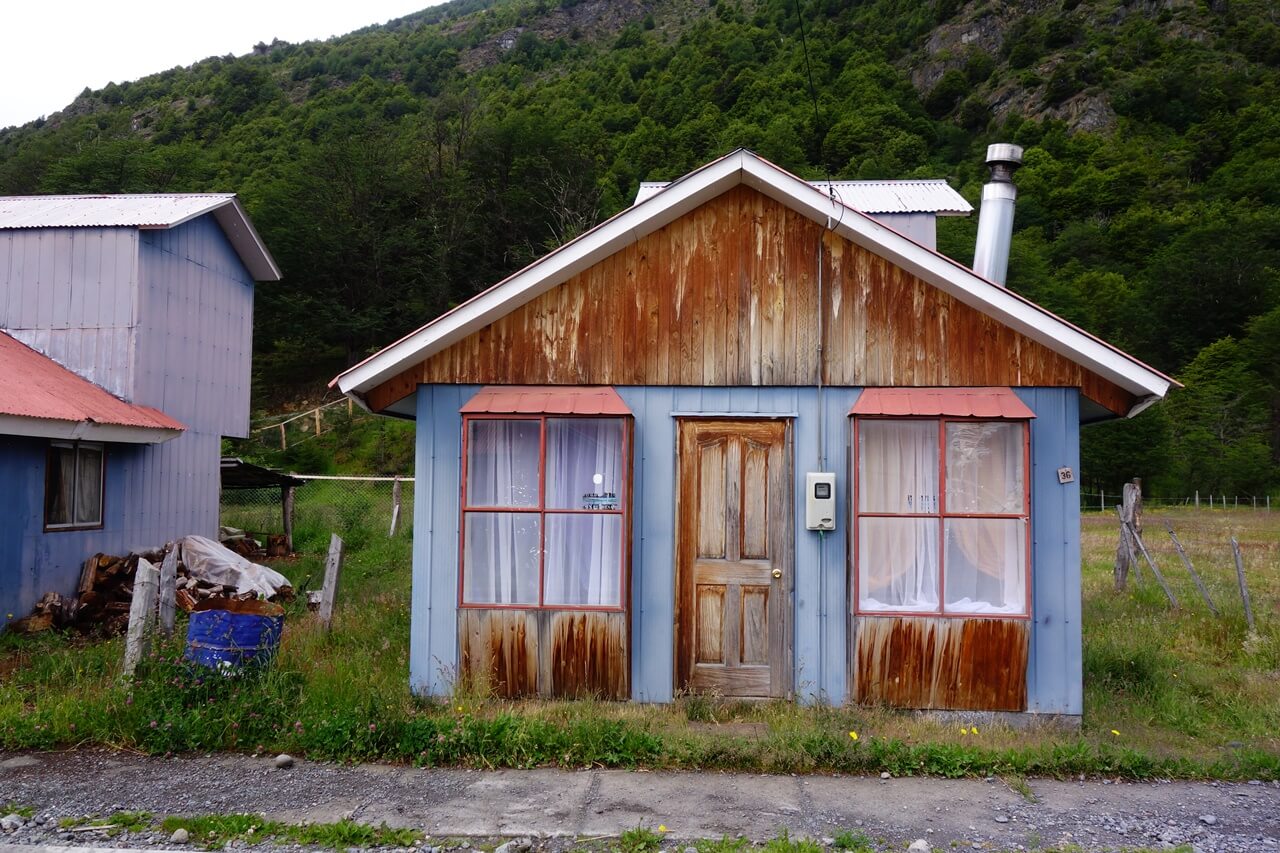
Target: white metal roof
x,y
145,212
710,181
915,196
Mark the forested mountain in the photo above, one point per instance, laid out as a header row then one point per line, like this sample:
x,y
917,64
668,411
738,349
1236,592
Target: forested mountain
x,y
399,169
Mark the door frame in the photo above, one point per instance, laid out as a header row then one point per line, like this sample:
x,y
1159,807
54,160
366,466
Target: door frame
x,y
681,670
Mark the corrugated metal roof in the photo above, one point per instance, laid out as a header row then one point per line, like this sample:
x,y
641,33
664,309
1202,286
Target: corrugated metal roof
x,y
913,196
935,402
146,212
35,386
548,400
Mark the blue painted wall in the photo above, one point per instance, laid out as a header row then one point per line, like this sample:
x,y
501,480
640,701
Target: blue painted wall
x,y
820,595
179,305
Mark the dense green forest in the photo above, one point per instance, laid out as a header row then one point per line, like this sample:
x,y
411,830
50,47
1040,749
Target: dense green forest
x,y
397,170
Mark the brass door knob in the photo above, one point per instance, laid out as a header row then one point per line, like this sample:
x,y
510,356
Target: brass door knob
x,y
777,573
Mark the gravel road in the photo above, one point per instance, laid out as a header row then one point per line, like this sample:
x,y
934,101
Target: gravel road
x,y
458,808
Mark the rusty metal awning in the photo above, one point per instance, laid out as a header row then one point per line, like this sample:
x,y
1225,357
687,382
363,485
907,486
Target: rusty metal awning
x,y
545,400
936,402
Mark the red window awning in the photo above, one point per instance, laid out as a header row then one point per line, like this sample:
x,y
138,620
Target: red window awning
x,y
940,402
545,400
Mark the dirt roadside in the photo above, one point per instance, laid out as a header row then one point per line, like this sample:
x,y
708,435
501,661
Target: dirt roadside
x,y
554,807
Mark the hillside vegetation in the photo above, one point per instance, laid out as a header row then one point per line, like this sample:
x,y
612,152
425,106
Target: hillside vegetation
x,y
397,170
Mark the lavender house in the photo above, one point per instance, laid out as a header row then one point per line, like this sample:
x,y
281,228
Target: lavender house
x,y
125,339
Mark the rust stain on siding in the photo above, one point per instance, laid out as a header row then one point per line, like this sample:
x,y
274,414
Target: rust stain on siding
x,y
922,662
525,653
726,295
589,655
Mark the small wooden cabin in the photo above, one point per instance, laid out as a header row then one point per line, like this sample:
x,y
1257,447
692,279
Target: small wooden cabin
x,y
125,345
742,438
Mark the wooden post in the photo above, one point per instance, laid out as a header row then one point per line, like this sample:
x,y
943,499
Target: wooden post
x,y
1197,498
317,413
395,506
142,614
168,590
286,509
350,409
284,443
1102,501
1268,503
1154,570
332,569
1244,588
1130,513
1186,561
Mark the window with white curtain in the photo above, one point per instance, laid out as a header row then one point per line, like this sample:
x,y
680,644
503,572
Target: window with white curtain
x,y
73,485
941,516
544,512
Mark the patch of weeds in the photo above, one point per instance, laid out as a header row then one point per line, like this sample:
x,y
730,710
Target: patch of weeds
x,y
216,830
24,812
784,843
855,841
113,824
639,840
699,708
724,845
1018,784
347,833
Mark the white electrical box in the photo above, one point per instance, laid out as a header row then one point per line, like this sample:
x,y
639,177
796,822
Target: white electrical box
x,y
820,501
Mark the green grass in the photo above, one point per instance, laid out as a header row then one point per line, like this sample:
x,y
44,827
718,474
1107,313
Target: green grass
x,y
214,831
1190,696
113,824
24,812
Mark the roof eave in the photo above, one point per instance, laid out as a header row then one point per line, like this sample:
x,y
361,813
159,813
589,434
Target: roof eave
x,y
85,430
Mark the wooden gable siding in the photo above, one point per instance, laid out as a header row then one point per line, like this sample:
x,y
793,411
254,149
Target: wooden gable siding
x,y
727,295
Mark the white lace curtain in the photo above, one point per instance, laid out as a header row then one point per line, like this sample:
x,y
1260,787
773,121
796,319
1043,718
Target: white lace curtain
x,y
900,567
583,551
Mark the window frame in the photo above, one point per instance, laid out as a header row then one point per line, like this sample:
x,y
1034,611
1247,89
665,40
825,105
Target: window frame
x,y
542,511
75,447
856,516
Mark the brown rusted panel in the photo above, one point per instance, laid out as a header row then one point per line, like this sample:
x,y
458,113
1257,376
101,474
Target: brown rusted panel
x,y
935,662
499,651
589,654
727,295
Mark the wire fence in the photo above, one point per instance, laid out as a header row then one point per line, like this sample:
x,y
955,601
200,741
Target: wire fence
x,y
1103,501
355,508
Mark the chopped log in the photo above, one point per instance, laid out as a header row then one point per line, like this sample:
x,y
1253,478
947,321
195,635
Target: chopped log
x,y
1186,561
277,546
332,569
141,615
89,573
33,624
1244,587
168,590
185,600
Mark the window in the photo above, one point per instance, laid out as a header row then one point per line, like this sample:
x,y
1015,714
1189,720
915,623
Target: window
x,y
73,486
941,516
543,506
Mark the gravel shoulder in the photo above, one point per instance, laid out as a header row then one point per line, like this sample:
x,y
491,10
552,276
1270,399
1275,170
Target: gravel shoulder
x,y
555,808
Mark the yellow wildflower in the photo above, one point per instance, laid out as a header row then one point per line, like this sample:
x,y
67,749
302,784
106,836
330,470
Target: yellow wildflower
x,y
663,828
963,731
853,735
1116,733
974,730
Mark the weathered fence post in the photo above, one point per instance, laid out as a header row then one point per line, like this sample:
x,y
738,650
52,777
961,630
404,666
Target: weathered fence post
x,y
1244,588
1197,498
142,614
284,443
1130,520
332,569
168,590
1137,537
1186,561
286,509
317,421
395,506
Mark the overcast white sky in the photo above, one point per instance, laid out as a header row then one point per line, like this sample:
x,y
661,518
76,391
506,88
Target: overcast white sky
x,y
51,49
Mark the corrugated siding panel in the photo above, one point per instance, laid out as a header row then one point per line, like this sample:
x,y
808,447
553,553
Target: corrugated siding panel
x,y
70,295
1054,665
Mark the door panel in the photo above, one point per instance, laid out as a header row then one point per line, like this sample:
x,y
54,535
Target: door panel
x,y
734,550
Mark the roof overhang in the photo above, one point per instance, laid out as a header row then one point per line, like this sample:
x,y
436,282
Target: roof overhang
x,y
1146,384
244,238
84,430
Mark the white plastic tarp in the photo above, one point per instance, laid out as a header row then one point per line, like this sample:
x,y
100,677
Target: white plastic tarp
x,y
209,561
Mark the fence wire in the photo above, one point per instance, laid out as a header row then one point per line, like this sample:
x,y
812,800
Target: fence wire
x,y
1106,501
355,508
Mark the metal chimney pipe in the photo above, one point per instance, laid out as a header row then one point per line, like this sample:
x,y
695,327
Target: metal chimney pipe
x,y
995,217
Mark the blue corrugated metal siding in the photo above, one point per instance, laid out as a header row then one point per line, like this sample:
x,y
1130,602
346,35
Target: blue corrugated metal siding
x,y
175,308
1054,665
820,595
69,293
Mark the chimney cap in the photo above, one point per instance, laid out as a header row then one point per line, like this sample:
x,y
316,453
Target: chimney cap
x,y
1004,153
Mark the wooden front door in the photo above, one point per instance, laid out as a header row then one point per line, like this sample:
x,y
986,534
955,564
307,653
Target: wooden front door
x,y
734,546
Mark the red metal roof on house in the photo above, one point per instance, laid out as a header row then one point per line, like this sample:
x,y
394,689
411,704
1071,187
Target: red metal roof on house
x,y
546,400
33,385
935,402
